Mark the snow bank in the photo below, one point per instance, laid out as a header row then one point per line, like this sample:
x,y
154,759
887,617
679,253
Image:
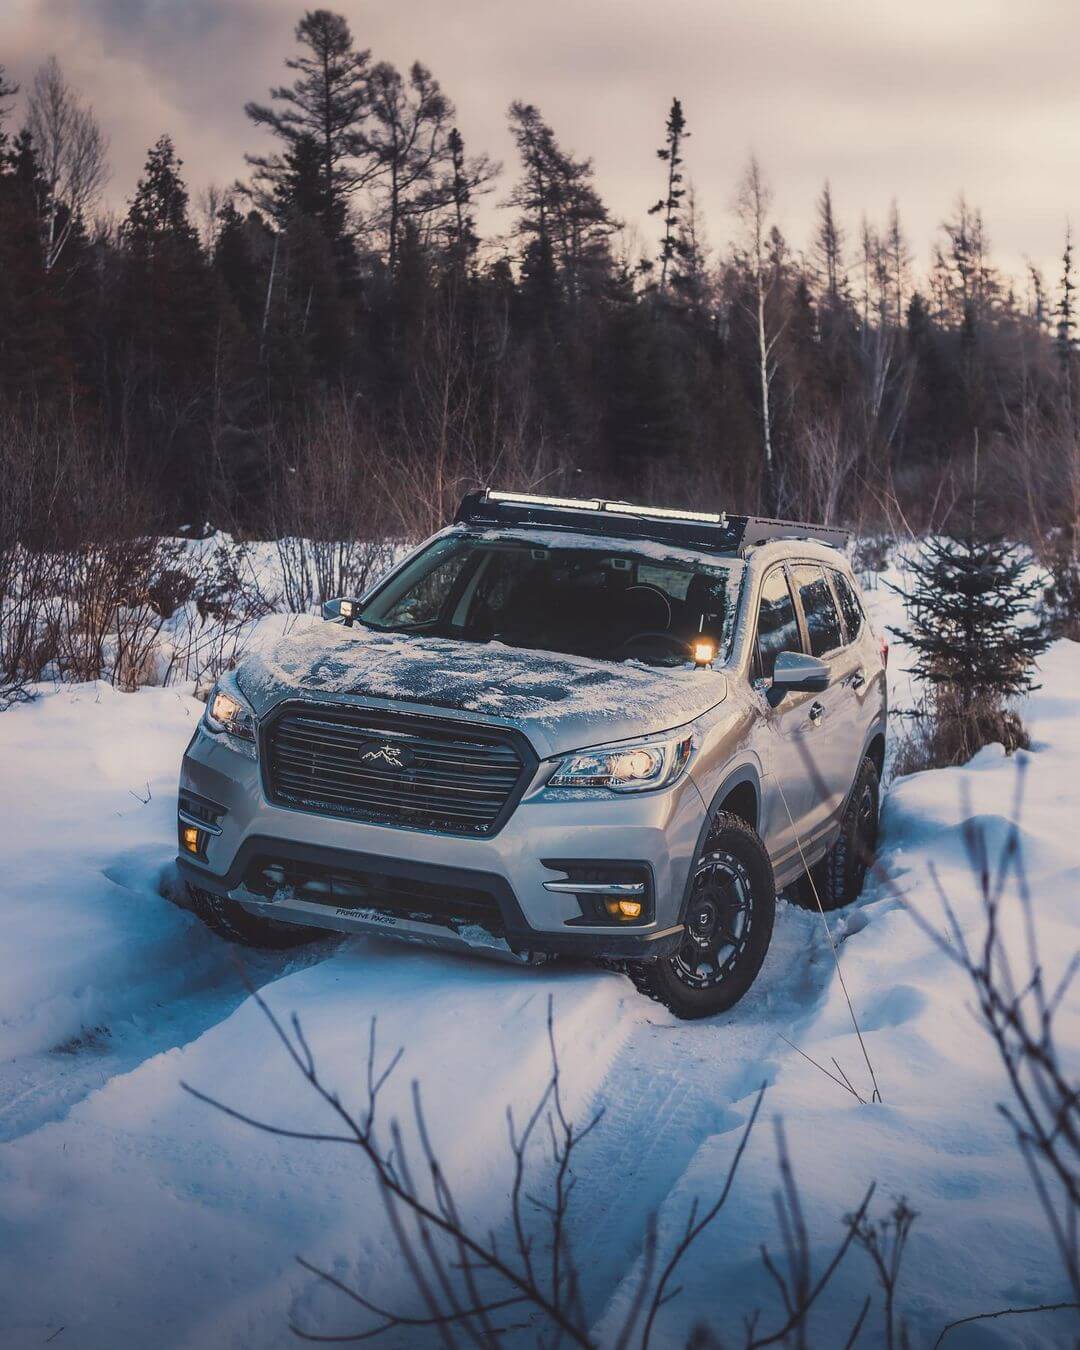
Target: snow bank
x,y
88,801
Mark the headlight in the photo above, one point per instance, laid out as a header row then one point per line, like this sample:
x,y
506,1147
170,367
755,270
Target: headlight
x,y
228,710
626,768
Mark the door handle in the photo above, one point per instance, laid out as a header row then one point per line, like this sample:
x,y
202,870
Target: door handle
x,y
857,680
817,712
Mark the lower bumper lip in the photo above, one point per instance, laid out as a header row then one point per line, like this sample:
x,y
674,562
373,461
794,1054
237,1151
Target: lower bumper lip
x,y
468,938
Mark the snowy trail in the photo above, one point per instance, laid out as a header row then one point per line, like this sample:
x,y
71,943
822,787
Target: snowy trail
x,y
38,1088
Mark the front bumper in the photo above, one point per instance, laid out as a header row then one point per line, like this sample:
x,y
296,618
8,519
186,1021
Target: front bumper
x,y
655,832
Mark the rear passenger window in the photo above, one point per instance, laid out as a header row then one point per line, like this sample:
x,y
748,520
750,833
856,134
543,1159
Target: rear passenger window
x,y
777,628
819,608
849,605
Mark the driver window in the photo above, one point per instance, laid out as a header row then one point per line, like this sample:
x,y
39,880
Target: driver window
x,y
777,626
424,601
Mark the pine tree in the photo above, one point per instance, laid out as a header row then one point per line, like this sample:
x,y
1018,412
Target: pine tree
x,y
670,204
34,346
300,189
6,91
167,327
463,236
326,105
899,261
561,210
465,177
158,213
964,608
408,145
829,248
1066,320
690,276
234,260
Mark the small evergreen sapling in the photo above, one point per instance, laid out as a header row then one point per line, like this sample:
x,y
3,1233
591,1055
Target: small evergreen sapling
x,y
972,648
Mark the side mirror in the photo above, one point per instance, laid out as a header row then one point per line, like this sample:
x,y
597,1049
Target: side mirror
x,y
339,608
795,673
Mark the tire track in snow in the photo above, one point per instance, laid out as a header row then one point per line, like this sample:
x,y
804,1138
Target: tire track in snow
x,y
40,1087
673,1086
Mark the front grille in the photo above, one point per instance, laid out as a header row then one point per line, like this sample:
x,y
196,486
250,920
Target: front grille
x,y
395,768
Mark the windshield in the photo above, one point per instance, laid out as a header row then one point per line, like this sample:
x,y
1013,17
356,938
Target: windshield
x,y
605,599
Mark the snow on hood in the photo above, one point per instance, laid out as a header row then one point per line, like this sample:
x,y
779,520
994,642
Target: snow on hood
x,y
561,702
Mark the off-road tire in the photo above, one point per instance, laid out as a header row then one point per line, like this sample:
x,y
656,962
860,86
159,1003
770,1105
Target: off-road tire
x,y
840,875
235,924
731,850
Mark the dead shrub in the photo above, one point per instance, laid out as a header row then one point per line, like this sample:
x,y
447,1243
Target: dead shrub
x,y
942,732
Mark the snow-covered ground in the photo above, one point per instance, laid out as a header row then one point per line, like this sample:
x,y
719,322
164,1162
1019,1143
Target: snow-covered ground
x,y
133,1215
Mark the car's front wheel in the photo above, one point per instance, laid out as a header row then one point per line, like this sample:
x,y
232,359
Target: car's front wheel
x,y
729,922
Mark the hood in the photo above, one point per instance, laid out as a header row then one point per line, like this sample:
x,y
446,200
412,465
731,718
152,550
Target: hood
x,y
561,703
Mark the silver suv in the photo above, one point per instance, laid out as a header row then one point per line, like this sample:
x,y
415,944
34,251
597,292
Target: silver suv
x,y
559,727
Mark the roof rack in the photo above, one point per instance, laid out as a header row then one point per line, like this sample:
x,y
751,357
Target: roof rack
x,y
714,532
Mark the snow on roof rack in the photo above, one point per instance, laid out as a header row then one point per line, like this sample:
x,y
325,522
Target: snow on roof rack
x,y
715,532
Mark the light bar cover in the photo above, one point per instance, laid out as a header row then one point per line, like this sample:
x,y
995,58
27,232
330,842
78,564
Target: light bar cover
x,y
663,512
530,499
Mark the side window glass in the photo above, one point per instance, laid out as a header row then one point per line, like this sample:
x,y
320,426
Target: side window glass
x,y
777,627
819,608
849,605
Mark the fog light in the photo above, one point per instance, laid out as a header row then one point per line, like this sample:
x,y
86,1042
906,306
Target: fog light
x,y
624,909
189,837
704,651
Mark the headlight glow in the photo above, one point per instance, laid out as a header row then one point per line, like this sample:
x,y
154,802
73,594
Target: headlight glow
x,y
634,768
227,712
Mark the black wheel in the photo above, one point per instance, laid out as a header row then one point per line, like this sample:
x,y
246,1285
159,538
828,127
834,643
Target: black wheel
x,y
839,876
729,921
230,921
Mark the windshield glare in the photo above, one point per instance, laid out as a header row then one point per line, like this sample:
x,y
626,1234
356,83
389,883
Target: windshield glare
x,y
612,604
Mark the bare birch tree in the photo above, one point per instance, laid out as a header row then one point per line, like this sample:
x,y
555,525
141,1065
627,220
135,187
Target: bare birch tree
x,y
752,203
71,150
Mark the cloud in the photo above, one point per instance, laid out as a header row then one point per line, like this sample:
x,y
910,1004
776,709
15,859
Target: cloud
x,y
915,101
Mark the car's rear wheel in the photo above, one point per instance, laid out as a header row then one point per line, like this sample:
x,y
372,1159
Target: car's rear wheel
x,y
839,877
729,922
231,921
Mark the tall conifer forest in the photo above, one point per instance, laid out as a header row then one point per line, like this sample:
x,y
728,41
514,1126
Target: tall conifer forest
x,y
332,343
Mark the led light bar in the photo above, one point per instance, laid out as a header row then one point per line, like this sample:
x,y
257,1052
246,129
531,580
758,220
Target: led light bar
x,y
664,512
711,531
530,499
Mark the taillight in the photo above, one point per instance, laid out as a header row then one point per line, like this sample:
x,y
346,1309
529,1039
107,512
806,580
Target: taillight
x,y
884,651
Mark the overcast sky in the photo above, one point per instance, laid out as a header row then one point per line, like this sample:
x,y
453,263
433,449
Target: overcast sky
x,y
917,99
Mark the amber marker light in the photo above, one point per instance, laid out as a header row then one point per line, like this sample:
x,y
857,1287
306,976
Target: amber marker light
x,y
704,651
190,836
624,909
